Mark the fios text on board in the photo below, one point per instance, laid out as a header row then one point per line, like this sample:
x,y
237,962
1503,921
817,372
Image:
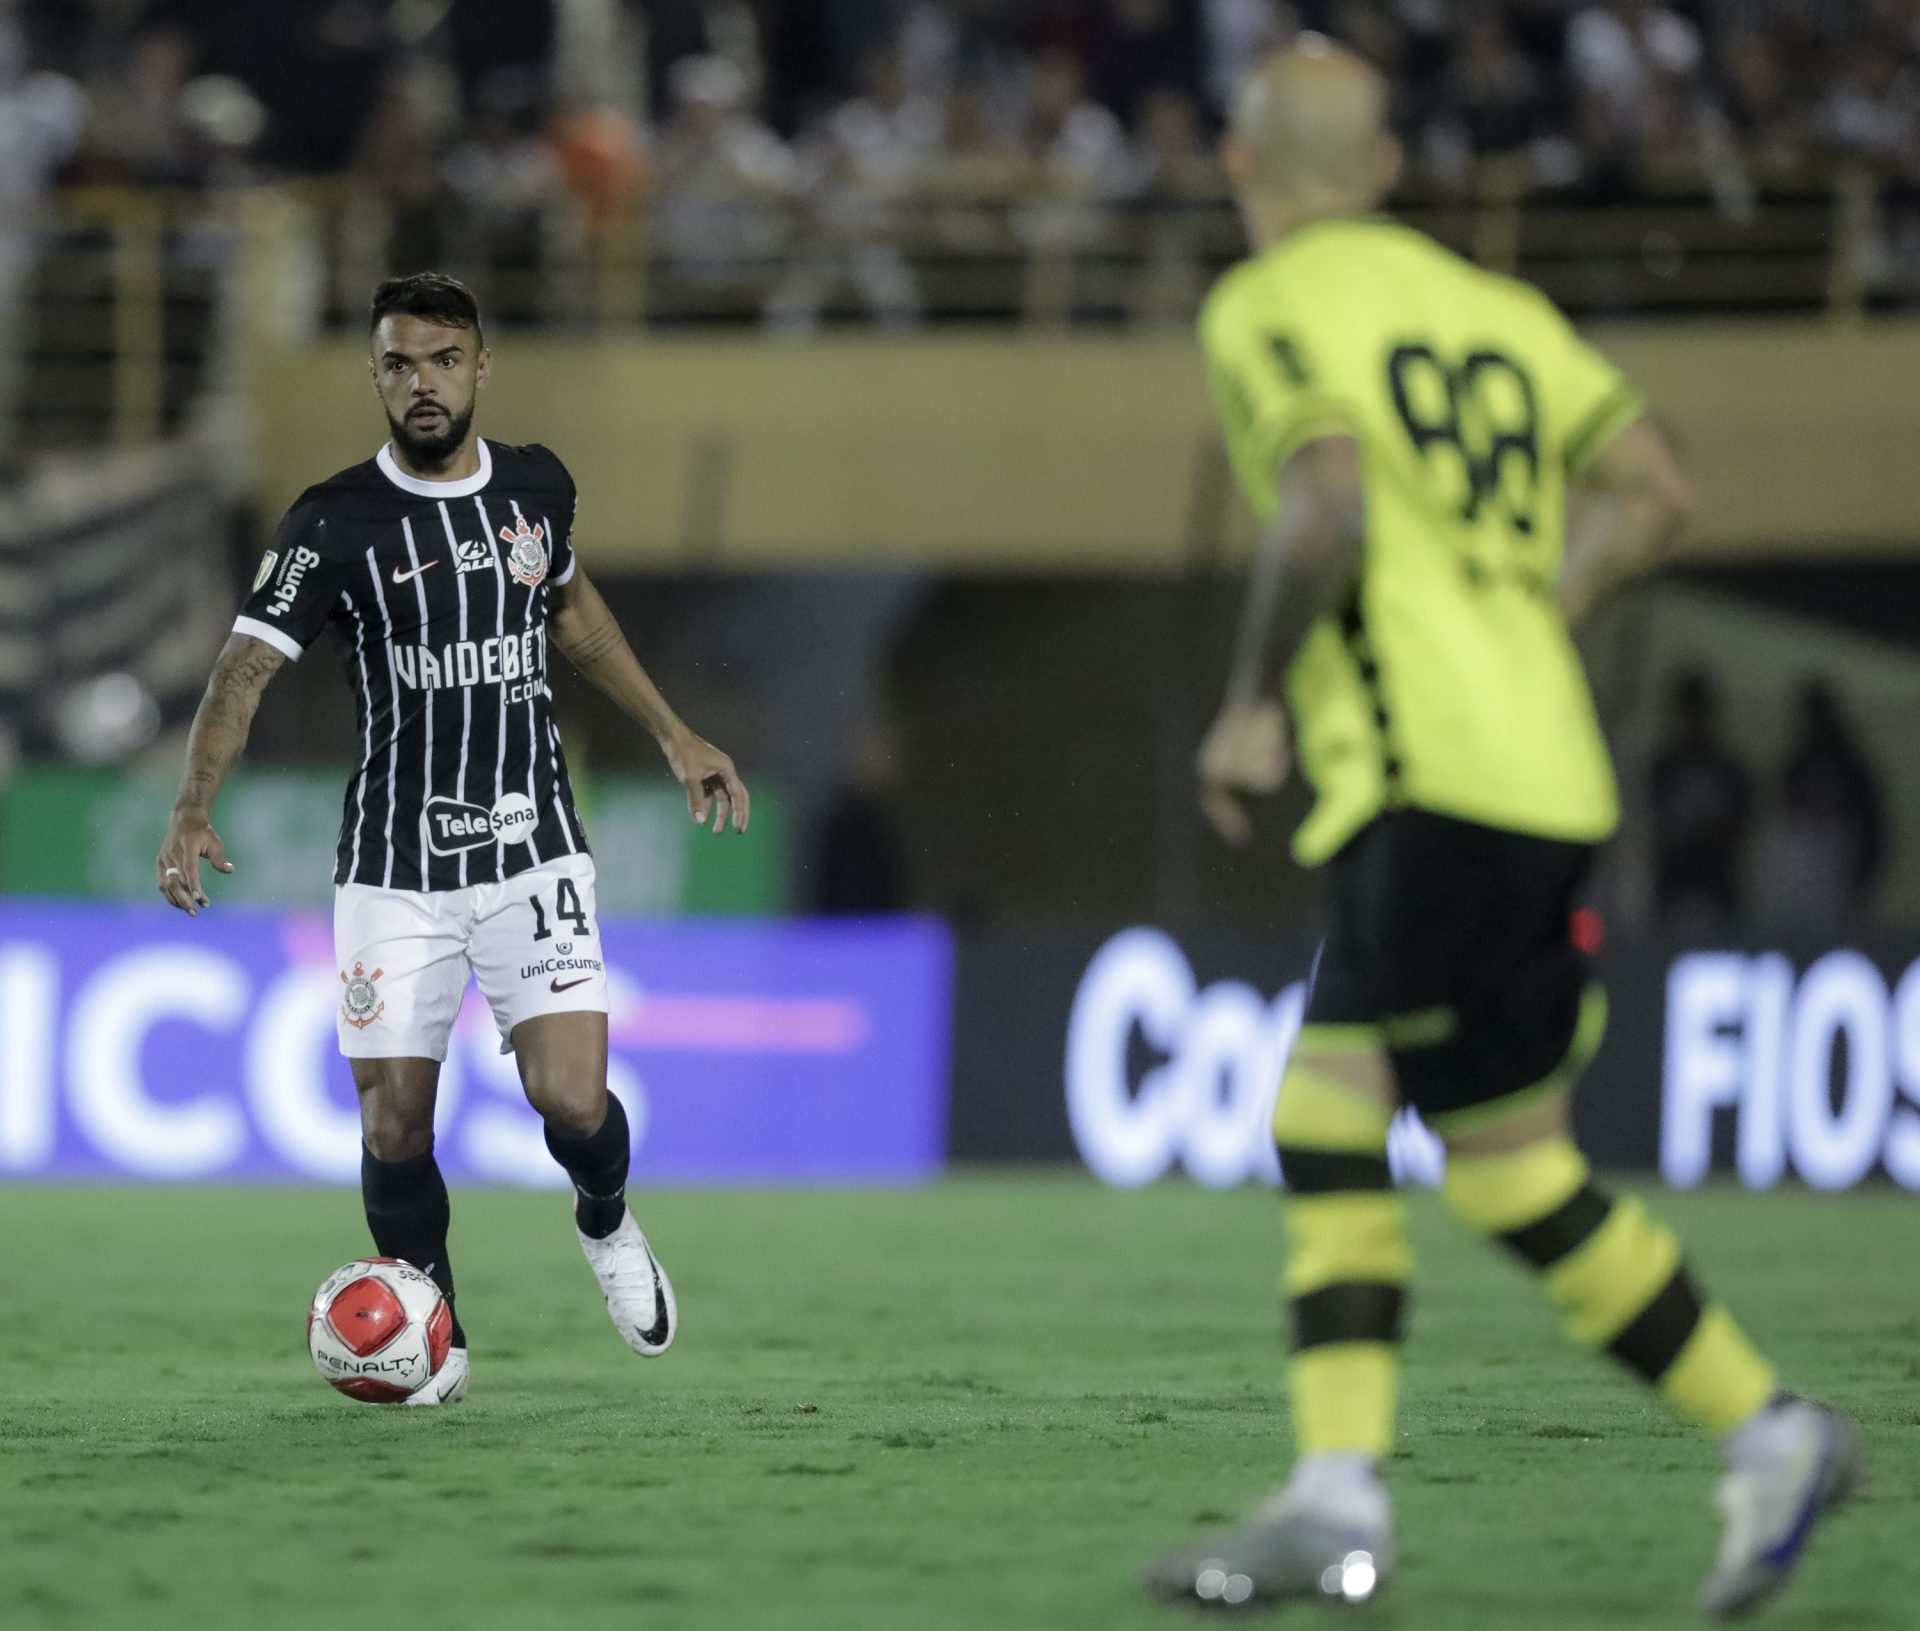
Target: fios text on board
x,y
1821,1072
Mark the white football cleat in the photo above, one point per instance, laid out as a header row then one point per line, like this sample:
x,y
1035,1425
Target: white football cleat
x,y
639,1295
1798,1462
1290,1549
449,1385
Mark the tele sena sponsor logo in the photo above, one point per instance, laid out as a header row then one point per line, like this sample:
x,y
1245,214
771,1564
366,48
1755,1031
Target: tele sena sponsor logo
x,y
1819,1071
453,826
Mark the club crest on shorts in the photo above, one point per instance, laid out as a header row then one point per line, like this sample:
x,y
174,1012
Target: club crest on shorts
x,y
526,552
360,1003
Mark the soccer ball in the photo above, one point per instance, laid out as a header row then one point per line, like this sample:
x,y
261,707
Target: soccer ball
x,y
379,1330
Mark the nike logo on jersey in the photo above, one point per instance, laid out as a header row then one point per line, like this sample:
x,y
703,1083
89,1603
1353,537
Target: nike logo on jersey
x,y
556,987
408,577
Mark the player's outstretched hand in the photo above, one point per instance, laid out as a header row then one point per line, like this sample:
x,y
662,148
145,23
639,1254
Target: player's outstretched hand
x,y
1246,752
713,786
189,839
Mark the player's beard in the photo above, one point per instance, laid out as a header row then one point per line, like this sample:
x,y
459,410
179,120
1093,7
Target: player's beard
x,y
431,452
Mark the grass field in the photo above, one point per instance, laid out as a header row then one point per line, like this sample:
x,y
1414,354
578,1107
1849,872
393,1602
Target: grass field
x,y
978,1406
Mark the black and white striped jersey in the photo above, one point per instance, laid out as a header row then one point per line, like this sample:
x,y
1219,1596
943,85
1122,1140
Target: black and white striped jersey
x,y
437,593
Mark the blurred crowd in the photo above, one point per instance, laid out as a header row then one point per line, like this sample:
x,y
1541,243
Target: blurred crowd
x,y
795,153
1112,90
1804,849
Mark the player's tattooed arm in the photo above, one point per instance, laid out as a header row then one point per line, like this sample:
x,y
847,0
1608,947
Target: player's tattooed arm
x,y
220,727
1637,501
584,629
1305,564
1304,567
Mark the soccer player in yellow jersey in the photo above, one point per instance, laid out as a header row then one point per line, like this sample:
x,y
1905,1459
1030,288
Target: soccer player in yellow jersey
x,y
1409,428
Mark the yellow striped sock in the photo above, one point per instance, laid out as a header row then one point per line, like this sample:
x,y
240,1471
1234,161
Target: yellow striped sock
x,y
1617,1275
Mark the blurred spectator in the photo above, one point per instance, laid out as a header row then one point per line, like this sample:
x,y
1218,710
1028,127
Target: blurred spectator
x,y
1769,121
862,164
860,865
725,184
1080,150
1825,844
42,116
1872,106
1173,181
603,160
1236,32
139,132
981,165
1701,804
320,68
1491,97
507,179
396,165
492,39
1143,47
1635,66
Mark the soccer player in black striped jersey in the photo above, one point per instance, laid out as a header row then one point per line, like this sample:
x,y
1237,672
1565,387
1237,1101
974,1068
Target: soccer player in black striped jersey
x,y
444,567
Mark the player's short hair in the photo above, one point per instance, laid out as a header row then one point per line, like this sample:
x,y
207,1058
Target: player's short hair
x,y
434,295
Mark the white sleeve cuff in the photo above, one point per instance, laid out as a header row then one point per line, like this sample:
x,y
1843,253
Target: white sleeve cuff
x,y
572,562
279,639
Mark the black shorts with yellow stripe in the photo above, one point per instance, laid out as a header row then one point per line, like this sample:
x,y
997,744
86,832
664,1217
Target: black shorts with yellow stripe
x,y
1451,946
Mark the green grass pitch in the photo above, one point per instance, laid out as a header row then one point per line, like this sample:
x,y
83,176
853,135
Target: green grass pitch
x,y
980,1405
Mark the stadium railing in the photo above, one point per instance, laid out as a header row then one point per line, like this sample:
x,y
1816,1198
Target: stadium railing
x,y
133,292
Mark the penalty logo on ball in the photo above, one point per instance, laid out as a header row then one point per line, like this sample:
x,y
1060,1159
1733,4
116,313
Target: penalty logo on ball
x,y
360,1002
379,1330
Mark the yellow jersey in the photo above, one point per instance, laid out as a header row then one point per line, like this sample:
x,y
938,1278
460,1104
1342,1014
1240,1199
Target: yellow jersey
x,y
1447,681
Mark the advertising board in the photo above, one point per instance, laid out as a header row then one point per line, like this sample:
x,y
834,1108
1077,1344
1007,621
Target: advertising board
x,y
136,1043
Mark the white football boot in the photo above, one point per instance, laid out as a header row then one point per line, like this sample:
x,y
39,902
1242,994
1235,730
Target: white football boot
x,y
1326,1545
639,1295
1787,1468
449,1385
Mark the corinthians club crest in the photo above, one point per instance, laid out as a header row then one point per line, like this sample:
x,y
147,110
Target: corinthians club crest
x,y
360,1003
526,552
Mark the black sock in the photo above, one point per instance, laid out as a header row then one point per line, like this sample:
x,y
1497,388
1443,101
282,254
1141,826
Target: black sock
x,y
408,1213
597,1164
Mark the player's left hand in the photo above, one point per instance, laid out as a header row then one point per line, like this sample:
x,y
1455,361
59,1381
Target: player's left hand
x,y
1246,752
713,786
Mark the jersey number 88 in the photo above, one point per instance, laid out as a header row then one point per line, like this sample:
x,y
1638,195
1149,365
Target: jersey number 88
x,y
1482,411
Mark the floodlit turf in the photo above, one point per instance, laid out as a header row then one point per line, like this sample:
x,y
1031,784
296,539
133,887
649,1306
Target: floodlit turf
x,y
983,1405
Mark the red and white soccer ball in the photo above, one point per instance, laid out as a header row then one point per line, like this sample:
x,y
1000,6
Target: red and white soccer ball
x,y
379,1330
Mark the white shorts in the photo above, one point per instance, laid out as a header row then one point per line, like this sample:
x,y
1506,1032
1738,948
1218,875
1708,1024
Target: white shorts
x,y
533,942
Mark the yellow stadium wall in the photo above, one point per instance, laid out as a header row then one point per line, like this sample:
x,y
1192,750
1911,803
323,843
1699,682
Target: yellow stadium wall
x,y
1040,454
